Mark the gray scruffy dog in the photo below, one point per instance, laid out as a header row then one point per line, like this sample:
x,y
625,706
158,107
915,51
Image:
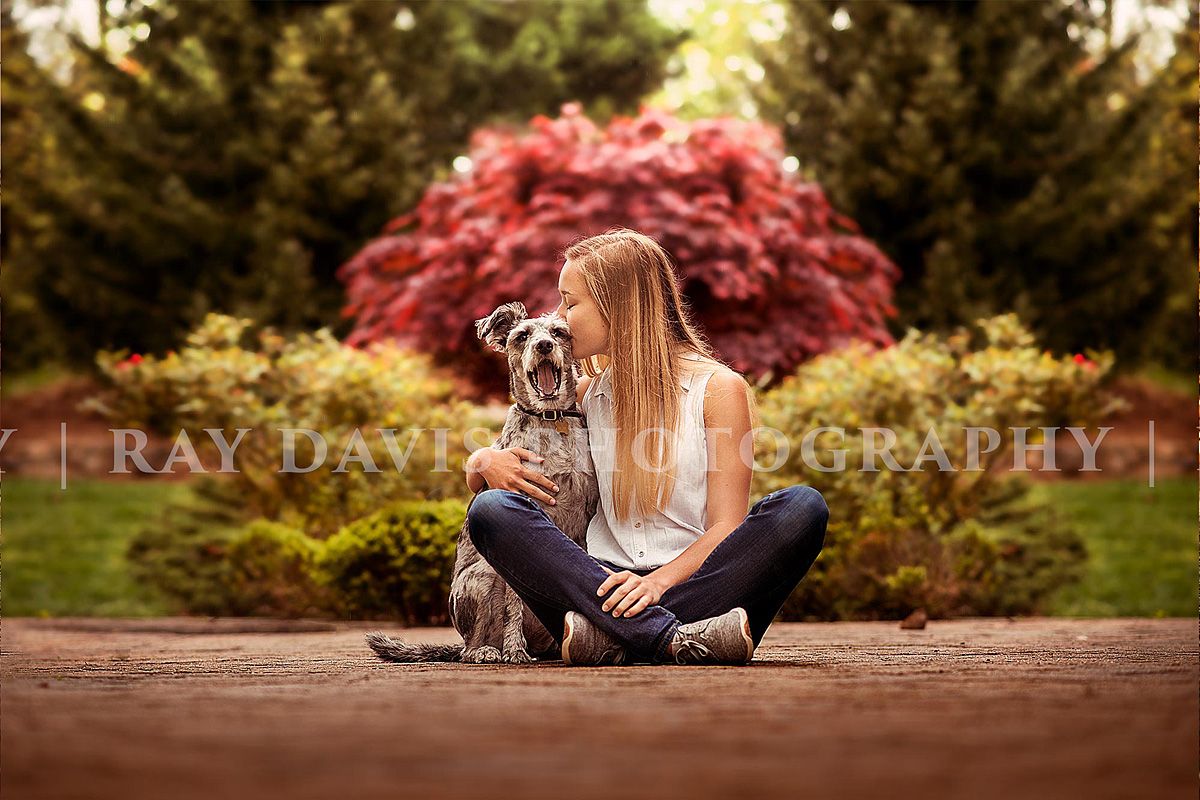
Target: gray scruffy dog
x,y
494,621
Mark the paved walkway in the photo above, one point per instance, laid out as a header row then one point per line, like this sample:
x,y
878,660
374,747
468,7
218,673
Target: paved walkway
x,y
981,708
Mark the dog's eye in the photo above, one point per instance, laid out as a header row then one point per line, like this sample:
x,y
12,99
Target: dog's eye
x,y
520,337
561,334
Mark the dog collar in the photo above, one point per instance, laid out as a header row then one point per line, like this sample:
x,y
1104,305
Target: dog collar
x,y
550,415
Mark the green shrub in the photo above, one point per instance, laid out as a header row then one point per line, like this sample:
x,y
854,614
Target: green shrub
x,y
955,541
203,554
184,553
395,564
1008,561
271,571
221,380
1037,551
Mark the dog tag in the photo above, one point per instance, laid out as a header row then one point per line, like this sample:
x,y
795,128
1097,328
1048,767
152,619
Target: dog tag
x,y
560,425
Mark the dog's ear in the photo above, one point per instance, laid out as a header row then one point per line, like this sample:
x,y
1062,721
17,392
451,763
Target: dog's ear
x,y
495,327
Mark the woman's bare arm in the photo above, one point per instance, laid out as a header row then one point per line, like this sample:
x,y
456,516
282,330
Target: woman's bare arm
x,y
475,481
504,468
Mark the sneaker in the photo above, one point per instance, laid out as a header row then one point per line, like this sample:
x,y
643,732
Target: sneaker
x,y
717,640
585,645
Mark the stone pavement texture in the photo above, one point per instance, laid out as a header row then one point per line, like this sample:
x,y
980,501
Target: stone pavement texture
x,y
973,708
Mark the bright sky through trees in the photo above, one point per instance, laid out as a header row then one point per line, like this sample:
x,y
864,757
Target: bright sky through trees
x,y
713,66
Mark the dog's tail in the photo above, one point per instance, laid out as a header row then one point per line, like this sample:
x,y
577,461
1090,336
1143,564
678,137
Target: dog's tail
x,y
390,649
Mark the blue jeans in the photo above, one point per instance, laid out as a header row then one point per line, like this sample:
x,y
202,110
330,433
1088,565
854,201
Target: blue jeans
x,y
756,567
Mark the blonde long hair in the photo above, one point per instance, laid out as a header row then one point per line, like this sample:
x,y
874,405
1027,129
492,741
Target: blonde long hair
x,y
631,279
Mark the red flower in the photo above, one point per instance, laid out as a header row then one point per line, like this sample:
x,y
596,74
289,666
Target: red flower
x,y
1079,359
135,359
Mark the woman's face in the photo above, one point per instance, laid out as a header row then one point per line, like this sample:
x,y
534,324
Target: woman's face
x,y
589,331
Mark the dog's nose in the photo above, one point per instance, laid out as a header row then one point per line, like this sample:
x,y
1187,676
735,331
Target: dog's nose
x,y
545,347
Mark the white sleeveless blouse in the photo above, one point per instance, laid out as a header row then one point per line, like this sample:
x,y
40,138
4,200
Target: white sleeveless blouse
x,y
649,542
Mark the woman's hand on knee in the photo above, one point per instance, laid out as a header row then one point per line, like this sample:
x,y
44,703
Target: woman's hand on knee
x,y
505,469
632,594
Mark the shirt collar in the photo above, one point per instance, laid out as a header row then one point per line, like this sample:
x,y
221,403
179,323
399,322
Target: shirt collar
x,y
604,379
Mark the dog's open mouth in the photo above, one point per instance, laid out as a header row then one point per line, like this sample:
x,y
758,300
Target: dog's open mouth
x,y
544,379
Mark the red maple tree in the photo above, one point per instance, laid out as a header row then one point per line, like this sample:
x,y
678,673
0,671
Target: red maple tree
x,y
772,273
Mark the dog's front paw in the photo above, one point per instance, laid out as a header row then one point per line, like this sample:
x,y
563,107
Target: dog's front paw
x,y
517,657
482,655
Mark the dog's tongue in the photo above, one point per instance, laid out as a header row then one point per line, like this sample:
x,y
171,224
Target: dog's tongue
x,y
545,378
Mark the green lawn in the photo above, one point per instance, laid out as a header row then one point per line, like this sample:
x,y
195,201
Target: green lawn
x,y
19,383
1142,547
64,550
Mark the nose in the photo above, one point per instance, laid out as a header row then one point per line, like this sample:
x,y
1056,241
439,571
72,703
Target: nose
x,y
544,346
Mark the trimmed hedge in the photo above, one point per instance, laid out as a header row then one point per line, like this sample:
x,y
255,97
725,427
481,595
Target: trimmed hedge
x,y
395,564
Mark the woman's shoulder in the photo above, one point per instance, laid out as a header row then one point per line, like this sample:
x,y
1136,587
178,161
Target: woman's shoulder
x,y
723,379
716,375
725,393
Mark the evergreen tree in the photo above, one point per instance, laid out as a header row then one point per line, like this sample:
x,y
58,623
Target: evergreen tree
x,y
19,229
998,162
235,157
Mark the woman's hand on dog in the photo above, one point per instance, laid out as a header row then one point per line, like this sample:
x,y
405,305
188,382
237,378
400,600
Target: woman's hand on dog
x,y
504,469
631,593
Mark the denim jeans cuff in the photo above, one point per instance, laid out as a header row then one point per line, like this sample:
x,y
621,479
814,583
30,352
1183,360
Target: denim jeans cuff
x,y
661,651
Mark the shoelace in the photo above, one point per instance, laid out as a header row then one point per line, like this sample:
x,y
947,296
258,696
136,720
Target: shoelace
x,y
614,655
691,652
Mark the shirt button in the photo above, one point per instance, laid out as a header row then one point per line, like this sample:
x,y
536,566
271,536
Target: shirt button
x,y
637,524
640,554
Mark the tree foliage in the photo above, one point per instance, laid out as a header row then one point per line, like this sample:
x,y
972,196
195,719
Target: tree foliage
x,y
771,271
1001,163
242,151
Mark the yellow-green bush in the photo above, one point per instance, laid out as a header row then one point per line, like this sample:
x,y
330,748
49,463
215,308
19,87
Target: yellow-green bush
x,y
953,542
225,378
